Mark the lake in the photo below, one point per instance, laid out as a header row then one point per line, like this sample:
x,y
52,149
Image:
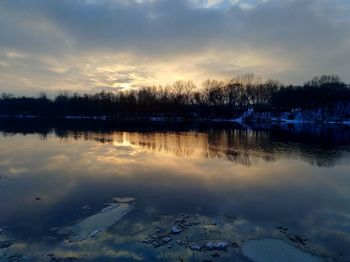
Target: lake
x,y
103,192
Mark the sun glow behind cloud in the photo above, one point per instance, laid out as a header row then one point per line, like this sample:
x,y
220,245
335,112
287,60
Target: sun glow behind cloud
x,y
118,44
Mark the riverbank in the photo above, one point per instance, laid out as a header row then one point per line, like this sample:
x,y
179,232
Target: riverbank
x,y
248,117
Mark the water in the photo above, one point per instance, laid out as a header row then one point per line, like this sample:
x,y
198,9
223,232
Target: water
x,y
223,184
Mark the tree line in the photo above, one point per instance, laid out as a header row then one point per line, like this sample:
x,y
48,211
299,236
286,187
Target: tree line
x,y
183,98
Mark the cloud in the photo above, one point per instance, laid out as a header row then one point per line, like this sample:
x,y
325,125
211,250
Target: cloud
x,y
65,44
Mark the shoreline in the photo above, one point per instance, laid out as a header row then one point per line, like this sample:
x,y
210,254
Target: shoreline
x,y
176,119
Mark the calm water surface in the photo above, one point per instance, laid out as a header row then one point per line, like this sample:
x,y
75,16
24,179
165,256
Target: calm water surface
x,y
214,184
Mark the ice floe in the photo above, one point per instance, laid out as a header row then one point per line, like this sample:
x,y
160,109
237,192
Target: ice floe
x,y
273,250
176,230
95,224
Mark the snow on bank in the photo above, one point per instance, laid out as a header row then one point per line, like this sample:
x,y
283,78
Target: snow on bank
x,y
86,117
249,116
297,117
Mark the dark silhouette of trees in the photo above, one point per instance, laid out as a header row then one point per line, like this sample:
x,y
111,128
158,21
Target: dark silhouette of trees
x,y
213,99
325,93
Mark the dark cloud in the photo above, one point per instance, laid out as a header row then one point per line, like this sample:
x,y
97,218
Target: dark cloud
x,y
308,37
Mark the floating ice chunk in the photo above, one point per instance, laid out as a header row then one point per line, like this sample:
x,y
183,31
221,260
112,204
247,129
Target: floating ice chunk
x,y
97,223
274,250
217,245
176,230
86,207
110,207
195,246
166,239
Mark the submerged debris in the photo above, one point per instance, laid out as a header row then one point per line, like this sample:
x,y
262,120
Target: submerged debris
x,y
10,258
282,229
126,200
223,237
53,258
298,239
5,244
193,232
235,245
158,240
6,254
292,237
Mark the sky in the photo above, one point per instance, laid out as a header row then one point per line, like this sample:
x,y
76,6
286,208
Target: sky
x,y
95,45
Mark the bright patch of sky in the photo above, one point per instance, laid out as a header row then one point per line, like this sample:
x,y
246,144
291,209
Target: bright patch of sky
x,y
245,4
89,45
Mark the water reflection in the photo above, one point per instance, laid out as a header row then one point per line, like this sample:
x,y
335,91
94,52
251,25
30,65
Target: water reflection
x,y
286,176
318,145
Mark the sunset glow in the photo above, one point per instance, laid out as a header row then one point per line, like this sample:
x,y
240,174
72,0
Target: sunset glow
x,y
115,44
